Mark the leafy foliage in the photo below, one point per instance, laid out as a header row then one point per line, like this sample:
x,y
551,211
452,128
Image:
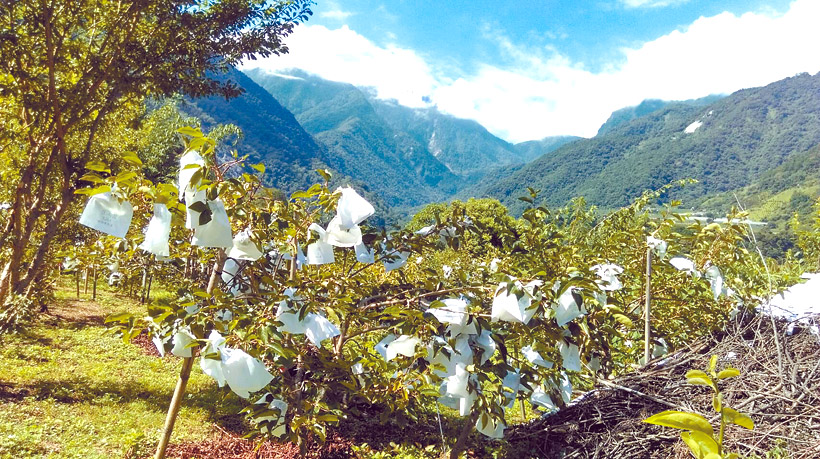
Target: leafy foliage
x,y
550,262
698,433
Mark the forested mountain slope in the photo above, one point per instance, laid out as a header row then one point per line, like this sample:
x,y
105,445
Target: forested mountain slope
x,y
778,194
359,143
725,145
271,133
446,153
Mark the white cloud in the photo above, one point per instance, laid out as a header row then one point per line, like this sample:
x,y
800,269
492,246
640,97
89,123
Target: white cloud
x,y
334,11
338,15
651,3
541,92
344,55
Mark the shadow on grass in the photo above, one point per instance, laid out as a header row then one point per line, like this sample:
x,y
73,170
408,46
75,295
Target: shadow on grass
x,y
221,408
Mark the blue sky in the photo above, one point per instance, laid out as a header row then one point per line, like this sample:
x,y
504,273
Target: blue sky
x,y
528,69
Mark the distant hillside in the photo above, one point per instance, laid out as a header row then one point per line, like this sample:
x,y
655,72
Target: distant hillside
x,y
646,107
531,150
778,194
465,147
726,145
430,154
359,142
271,133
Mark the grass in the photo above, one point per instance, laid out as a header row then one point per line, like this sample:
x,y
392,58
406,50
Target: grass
x,y
70,389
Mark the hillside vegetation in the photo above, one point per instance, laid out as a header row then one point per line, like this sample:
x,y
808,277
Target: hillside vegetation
x,y
738,139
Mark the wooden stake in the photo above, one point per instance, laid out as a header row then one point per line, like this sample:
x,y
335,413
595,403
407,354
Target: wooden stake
x,y
94,288
647,332
185,373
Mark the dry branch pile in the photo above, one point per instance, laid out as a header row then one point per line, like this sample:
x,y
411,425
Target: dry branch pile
x,y
779,388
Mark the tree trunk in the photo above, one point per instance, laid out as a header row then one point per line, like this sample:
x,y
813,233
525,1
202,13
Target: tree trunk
x,y
461,443
49,233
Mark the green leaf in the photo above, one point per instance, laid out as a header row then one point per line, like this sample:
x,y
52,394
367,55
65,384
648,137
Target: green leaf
x,y
717,402
700,443
258,168
737,418
327,418
92,177
121,317
97,166
326,175
132,159
681,420
198,206
94,191
728,373
623,320
699,378
190,131
713,363
204,217
125,176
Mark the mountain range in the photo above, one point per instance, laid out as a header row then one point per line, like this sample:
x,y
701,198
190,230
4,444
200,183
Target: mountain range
x,y
405,157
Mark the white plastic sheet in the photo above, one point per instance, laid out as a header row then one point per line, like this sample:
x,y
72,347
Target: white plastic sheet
x,y
567,308
487,345
280,427
534,357
403,345
213,367
570,355
457,384
381,346
318,329
398,260
244,373
608,276
352,209
453,312
462,354
320,252
181,340
510,308
494,428
217,232
158,232
290,320
715,281
185,173
338,236
511,381
541,398
658,246
243,247
684,264
105,213
192,216
565,388
364,254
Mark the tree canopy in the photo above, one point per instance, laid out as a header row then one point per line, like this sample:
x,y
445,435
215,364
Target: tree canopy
x,y
71,71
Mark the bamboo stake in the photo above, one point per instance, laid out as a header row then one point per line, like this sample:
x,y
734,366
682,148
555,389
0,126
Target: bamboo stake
x,y
185,373
647,332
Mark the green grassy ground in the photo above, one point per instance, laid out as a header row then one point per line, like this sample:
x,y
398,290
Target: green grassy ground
x,y
70,389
